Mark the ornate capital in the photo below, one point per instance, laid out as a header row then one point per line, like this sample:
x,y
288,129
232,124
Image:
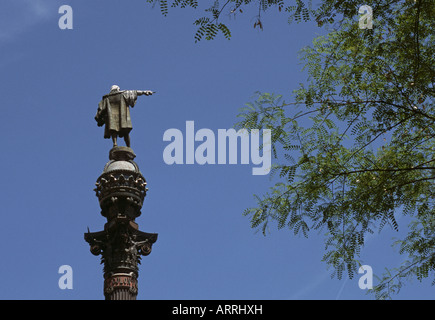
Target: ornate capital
x,y
121,245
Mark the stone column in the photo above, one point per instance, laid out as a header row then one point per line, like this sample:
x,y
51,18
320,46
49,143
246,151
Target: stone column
x,y
121,190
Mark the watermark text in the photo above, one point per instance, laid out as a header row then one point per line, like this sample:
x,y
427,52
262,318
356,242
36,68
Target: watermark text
x,y
182,149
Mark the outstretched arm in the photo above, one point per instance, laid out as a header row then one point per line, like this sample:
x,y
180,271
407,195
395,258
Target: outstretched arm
x,y
146,92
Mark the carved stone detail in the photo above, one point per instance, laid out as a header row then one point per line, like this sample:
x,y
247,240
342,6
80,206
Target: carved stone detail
x,y
120,281
121,190
121,245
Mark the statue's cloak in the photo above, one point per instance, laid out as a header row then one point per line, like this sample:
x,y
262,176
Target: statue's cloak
x,y
113,111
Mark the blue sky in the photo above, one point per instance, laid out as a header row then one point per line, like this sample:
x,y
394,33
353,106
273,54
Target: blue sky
x,y
53,152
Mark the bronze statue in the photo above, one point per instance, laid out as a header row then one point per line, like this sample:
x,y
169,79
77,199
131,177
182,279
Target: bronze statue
x,y
113,111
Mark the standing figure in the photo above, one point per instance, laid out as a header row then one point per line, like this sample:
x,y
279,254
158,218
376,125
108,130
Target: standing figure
x,y
114,112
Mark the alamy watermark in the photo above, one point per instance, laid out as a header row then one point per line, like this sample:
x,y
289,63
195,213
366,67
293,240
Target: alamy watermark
x,y
182,149
66,280
366,280
366,20
66,20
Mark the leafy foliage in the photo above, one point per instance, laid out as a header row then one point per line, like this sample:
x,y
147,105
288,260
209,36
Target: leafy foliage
x,y
355,147
362,134
209,26
327,12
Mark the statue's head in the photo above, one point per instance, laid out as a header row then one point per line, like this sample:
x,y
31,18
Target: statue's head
x,y
115,88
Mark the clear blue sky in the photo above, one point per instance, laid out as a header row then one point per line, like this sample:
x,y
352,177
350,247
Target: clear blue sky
x,y
52,153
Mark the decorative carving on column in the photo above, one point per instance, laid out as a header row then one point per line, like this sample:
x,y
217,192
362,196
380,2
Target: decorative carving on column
x,y
121,190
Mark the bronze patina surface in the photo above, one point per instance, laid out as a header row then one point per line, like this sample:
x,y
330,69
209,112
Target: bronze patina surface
x,y
114,112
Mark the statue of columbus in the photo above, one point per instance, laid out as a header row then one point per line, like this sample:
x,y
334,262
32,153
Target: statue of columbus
x,y
113,111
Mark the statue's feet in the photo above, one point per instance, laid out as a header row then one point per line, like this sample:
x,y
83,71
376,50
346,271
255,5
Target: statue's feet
x,y
121,153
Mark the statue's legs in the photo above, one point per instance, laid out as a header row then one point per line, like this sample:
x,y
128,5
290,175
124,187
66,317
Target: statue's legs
x,y
127,140
114,139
